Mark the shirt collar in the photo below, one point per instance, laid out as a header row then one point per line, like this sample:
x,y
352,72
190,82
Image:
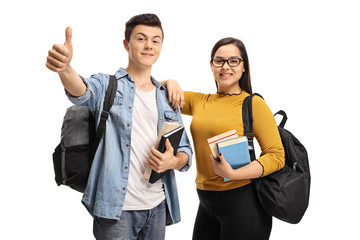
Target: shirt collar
x,y
122,73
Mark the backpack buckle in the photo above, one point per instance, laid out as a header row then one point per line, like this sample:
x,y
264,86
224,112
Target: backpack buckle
x,y
104,115
250,138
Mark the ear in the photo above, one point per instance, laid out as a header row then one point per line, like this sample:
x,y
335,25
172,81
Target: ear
x,y
126,44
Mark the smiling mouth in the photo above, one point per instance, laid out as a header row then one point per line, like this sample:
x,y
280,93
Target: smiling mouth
x,y
147,54
226,74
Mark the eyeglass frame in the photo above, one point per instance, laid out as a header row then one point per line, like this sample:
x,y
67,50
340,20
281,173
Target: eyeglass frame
x,y
227,61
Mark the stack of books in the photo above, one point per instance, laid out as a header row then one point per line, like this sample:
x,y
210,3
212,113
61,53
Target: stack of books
x,y
235,149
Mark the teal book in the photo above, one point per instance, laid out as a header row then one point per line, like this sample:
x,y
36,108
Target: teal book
x,y
235,152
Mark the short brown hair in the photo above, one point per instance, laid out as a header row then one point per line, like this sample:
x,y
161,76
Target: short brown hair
x,y
148,19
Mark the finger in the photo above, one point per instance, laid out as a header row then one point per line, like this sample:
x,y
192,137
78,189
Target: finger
x,y
61,49
155,154
68,37
54,64
152,164
176,101
182,100
51,67
173,100
214,162
170,97
168,146
155,165
221,157
213,159
57,55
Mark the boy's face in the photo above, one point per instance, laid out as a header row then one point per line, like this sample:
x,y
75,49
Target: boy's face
x,y
144,46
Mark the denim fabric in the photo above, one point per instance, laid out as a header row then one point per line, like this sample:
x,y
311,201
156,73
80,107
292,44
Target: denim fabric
x,y
107,183
133,225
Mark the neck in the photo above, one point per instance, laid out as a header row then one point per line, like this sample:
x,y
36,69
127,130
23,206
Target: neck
x,y
231,90
141,76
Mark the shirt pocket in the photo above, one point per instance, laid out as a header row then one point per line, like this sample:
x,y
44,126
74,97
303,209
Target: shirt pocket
x,y
117,107
170,116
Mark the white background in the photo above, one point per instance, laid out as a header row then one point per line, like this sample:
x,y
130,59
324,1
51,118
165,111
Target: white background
x,y
304,58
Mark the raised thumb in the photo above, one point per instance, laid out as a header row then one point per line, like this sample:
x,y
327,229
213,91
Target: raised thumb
x,y
68,36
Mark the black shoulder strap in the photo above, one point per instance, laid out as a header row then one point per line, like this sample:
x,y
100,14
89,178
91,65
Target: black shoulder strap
x,y
248,123
108,102
284,119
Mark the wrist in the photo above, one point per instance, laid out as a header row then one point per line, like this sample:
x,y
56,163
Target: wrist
x,y
181,159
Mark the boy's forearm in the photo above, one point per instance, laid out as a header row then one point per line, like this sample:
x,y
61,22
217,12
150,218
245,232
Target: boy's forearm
x,y
182,160
72,82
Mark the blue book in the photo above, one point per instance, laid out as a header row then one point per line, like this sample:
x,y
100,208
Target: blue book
x,y
235,152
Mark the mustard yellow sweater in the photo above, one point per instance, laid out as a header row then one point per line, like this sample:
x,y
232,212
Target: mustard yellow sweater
x,y
217,113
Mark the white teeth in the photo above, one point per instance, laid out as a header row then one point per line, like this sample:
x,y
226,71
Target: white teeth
x,y
226,75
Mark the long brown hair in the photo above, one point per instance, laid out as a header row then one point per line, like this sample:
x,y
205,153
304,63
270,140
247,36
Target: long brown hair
x,y
244,81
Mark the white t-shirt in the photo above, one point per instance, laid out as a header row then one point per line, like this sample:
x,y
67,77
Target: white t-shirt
x,y
142,195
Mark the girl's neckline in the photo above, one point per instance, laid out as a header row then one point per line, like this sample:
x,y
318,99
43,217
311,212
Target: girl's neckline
x,y
229,94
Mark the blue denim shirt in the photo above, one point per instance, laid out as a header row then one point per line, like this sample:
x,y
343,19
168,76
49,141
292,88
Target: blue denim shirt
x,y
107,184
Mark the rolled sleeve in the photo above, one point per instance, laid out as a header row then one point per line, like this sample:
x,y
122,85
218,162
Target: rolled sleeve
x,y
188,151
185,145
81,99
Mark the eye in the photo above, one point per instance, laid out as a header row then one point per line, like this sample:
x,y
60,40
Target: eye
x,y
141,39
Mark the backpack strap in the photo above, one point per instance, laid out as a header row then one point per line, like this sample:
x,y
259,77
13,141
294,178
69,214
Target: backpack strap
x,y
108,102
284,119
248,123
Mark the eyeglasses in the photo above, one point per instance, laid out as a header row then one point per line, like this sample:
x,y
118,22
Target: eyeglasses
x,y
232,62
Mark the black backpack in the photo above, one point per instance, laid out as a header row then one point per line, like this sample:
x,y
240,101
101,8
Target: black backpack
x,y
73,156
285,193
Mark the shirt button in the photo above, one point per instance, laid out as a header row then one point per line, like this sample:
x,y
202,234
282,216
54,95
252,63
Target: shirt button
x,y
132,87
123,188
128,125
127,145
129,107
160,118
126,167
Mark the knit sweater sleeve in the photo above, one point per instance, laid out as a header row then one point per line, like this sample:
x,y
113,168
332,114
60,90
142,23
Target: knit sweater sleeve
x,y
190,100
267,134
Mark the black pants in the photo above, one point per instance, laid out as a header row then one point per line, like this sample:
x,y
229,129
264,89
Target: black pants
x,y
231,215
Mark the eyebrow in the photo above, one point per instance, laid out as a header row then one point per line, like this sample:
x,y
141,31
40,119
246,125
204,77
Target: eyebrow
x,y
228,58
143,34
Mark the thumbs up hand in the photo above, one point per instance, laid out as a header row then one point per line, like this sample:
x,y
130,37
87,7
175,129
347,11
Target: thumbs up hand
x,y
60,55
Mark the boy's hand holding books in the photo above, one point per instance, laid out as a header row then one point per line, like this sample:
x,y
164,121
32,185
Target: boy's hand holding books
x,y
160,162
163,156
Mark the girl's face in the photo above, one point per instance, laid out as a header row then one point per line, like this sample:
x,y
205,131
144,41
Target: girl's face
x,y
226,76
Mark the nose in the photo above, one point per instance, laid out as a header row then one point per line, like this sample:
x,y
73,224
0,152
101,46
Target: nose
x,y
148,45
226,64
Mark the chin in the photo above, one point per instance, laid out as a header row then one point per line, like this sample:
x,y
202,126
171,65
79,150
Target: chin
x,y
148,62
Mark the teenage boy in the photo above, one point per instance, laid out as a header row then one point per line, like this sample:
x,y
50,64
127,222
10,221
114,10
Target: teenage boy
x,y
124,205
